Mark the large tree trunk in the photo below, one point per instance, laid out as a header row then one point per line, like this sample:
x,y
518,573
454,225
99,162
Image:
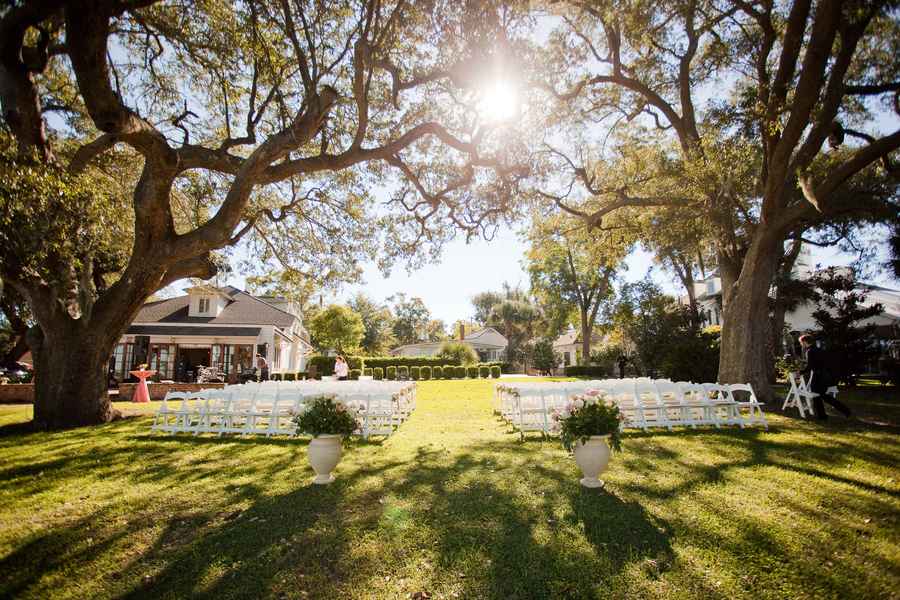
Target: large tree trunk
x,y
746,308
70,378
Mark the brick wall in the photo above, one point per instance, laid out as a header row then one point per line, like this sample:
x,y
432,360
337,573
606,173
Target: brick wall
x,y
23,393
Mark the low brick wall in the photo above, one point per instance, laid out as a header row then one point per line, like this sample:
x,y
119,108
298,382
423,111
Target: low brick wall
x,y
158,391
23,393
17,393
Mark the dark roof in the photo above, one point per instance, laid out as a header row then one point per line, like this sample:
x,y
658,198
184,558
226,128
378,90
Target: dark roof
x,y
244,309
183,330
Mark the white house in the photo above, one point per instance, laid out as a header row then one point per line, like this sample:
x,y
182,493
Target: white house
x,y
488,340
219,327
569,345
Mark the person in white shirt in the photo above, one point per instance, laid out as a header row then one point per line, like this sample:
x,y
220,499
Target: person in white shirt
x,y
341,370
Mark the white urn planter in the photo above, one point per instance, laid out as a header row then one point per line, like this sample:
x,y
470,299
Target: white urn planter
x,y
324,453
592,457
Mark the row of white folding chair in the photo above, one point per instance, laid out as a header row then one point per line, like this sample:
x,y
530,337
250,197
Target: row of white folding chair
x,y
376,412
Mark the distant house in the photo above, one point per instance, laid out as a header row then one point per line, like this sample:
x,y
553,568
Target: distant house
x,y
219,327
569,344
488,340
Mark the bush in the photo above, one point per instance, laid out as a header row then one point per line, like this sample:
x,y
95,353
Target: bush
x,y
415,373
367,372
403,369
290,377
355,373
472,372
484,371
459,372
391,373
449,372
409,361
325,364
694,359
437,372
788,364
585,371
275,376
495,372
378,374
425,372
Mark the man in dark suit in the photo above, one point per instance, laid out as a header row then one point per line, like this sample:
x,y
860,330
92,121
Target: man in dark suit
x,y
815,363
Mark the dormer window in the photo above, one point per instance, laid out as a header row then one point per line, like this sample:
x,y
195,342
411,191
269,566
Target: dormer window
x,y
203,308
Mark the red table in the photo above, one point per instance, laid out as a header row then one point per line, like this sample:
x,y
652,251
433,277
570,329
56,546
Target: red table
x,y
142,394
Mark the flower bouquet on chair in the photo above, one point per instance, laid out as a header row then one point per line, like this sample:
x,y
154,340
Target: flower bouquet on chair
x,y
328,420
589,426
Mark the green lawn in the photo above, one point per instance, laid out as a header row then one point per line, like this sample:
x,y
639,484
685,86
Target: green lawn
x,y
454,505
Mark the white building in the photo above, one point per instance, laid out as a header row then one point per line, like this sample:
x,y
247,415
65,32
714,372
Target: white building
x,y
488,340
220,327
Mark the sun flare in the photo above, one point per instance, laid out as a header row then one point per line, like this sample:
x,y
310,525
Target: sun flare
x,y
499,102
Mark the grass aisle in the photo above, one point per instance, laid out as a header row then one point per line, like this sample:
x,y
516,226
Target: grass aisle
x,y
454,505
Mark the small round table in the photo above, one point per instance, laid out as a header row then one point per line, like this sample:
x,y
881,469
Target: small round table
x,y
142,394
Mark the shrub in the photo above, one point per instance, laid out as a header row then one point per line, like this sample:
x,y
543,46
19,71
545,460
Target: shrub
x,y
585,371
275,376
459,353
367,372
495,372
415,373
449,372
472,372
403,369
459,372
437,372
426,373
788,364
355,373
391,373
290,377
484,371
378,374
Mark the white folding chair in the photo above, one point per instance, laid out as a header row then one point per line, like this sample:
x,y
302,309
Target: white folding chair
x,y
211,414
623,393
656,413
188,414
234,419
279,422
725,406
751,404
379,416
258,416
680,413
168,410
799,396
703,411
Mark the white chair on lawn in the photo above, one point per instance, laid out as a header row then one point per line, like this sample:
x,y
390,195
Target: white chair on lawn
x,y
234,419
703,411
624,396
188,414
379,416
799,396
280,415
529,411
680,413
212,413
169,410
748,402
258,416
725,406
656,413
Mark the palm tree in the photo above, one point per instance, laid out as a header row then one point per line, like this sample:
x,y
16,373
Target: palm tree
x,y
506,314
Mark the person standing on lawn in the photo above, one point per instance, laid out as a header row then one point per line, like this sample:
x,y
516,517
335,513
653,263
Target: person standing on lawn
x,y
822,379
262,366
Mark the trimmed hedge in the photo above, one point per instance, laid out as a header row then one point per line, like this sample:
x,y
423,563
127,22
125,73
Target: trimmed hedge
x,y
437,372
275,377
495,372
408,361
367,372
355,373
585,371
415,373
472,372
391,373
403,369
459,372
378,374
449,372
425,372
484,371
290,377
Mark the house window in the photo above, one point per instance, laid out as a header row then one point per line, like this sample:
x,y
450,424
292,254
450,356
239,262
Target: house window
x,y
204,306
710,288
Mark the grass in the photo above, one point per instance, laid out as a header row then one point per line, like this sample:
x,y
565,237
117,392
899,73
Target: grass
x,y
454,505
